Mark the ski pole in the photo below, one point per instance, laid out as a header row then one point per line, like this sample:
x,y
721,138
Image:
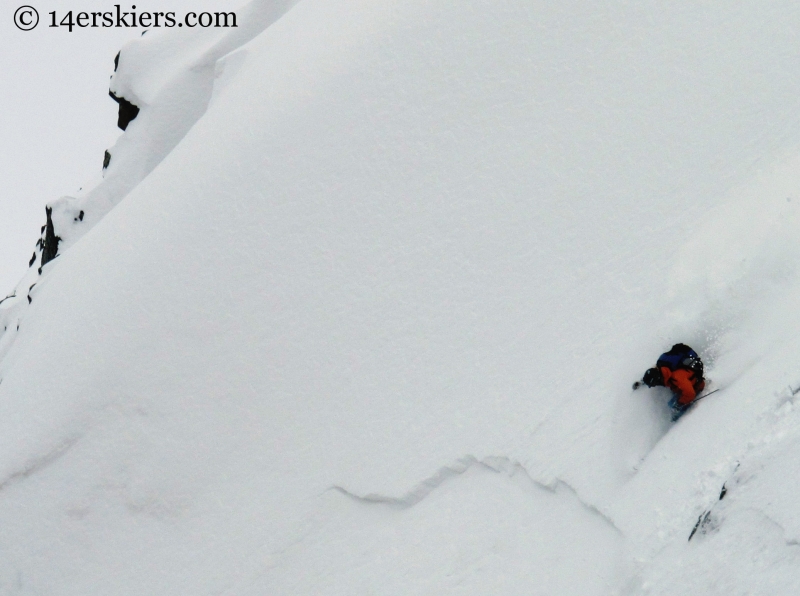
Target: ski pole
x,y
706,395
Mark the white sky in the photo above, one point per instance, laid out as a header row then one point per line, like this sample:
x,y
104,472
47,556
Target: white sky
x,y
56,118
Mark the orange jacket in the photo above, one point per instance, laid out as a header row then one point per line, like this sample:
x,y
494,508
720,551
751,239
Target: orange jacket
x,y
684,383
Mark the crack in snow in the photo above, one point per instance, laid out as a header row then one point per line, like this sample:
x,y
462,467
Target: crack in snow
x,y
421,490
496,464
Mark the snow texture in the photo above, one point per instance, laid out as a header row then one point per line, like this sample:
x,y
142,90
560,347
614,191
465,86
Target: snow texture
x,y
357,306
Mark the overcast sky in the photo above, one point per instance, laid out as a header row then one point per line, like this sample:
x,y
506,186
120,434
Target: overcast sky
x,y
56,118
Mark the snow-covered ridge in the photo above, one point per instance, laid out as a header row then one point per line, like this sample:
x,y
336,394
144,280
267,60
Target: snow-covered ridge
x,y
170,78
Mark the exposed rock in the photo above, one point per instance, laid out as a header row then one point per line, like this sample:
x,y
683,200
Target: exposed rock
x,y
50,244
127,111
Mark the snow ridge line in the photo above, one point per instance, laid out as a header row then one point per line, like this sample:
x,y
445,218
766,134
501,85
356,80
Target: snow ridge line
x,y
162,124
497,464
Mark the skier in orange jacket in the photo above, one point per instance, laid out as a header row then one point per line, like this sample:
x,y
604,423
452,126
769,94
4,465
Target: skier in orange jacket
x,y
681,370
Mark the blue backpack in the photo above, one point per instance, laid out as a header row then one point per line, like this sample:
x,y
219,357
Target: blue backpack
x,y
683,357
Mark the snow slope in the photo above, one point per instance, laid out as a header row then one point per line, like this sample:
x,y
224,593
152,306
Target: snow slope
x,y
357,308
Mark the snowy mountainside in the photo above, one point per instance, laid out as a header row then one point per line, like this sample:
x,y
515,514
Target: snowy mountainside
x,y
169,81
361,313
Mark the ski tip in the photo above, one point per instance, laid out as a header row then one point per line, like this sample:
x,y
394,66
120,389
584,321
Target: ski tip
x,y
636,385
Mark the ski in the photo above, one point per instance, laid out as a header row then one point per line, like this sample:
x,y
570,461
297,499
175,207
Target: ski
x,y
677,413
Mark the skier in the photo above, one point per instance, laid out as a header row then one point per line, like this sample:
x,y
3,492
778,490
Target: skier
x,y
681,370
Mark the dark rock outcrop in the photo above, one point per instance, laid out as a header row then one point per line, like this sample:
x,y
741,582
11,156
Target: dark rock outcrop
x,y
127,111
50,243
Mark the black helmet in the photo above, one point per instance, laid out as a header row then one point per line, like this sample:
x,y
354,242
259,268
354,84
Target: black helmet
x,y
653,378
